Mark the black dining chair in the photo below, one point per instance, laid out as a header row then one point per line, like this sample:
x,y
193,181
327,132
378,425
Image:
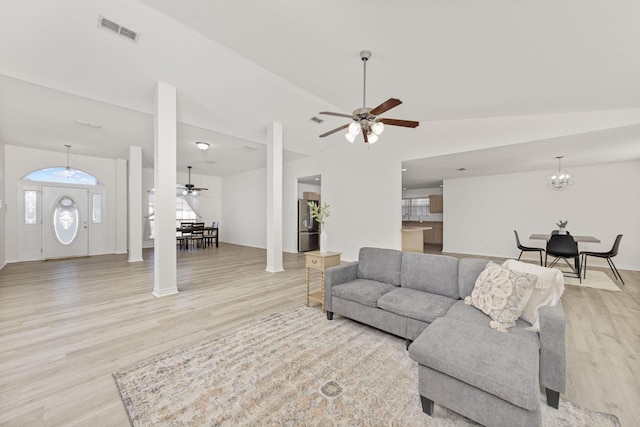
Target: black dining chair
x,y
606,255
527,248
562,246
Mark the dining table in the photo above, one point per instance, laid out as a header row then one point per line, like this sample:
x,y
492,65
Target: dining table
x,y
579,239
209,231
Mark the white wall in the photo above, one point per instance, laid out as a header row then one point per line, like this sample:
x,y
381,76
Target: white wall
x,y
244,202
3,202
481,213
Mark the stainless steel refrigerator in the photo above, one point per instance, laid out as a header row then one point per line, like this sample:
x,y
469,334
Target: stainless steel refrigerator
x,y
307,227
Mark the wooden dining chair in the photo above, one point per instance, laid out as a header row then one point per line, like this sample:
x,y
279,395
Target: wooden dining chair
x,y
606,255
197,234
527,248
212,234
182,239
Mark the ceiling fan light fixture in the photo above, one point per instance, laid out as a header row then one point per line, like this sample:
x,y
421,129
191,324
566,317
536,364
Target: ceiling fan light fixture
x,y
354,128
350,137
373,138
377,128
204,146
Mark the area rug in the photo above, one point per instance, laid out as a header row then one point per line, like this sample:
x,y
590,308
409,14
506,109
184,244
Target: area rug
x,y
595,279
295,368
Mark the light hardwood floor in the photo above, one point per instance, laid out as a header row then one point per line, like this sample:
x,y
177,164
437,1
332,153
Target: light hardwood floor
x,y
66,326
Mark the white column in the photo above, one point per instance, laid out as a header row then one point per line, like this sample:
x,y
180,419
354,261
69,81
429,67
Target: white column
x,y
135,204
121,206
164,173
274,198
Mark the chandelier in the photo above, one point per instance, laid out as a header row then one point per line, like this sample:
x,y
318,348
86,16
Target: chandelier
x,y
559,178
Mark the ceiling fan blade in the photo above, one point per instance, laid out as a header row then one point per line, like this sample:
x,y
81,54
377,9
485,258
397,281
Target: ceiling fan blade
x,y
329,113
403,123
364,134
335,130
201,189
386,106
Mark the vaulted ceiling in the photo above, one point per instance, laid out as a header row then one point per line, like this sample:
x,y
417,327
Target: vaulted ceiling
x,y
240,65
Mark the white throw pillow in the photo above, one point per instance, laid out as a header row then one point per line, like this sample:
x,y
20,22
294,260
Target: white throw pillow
x,y
548,289
501,294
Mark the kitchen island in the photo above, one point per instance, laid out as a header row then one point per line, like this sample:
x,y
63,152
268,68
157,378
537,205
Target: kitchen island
x,y
413,239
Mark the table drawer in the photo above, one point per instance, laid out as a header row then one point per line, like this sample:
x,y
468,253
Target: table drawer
x,y
321,262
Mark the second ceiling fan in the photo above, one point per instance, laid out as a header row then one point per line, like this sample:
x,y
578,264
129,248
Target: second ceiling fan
x,y
190,189
365,119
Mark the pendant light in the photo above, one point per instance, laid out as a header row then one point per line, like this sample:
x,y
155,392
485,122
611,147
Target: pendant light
x,y
559,178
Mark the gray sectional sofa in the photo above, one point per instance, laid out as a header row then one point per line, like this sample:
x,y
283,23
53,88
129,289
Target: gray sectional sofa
x,y
489,376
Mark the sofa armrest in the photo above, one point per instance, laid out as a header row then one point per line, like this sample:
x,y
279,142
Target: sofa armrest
x,y
553,357
335,276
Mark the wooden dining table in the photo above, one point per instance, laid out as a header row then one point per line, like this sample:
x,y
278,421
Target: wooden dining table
x,y
208,231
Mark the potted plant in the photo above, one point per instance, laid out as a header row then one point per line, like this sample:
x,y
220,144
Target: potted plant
x,y
320,214
562,226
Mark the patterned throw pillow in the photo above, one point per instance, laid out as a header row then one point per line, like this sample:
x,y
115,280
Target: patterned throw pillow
x,y
501,294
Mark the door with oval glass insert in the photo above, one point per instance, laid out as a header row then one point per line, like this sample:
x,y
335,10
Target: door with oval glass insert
x,y
65,222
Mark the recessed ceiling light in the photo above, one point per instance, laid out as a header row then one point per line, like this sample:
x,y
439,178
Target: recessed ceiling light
x,y
404,169
317,179
404,189
202,145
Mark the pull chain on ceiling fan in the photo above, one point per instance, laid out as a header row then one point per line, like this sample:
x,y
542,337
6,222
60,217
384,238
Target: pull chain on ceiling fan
x,y
365,119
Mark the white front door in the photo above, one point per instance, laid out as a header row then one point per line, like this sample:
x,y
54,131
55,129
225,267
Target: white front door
x,y
65,222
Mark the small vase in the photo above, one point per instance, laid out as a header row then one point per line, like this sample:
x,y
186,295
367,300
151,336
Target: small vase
x,y
323,242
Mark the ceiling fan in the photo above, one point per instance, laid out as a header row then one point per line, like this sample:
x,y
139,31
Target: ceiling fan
x,y
190,189
365,119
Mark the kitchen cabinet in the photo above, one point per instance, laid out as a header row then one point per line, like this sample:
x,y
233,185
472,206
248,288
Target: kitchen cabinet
x,y
435,203
431,236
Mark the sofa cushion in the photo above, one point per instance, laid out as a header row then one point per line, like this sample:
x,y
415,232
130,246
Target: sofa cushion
x,y
382,265
468,271
366,292
505,365
548,290
502,294
414,304
469,314
437,274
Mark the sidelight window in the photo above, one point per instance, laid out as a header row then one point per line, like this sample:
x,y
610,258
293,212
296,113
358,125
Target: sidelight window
x,y
30,207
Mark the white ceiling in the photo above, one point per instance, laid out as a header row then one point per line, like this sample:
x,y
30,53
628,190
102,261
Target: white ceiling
x,y
240,65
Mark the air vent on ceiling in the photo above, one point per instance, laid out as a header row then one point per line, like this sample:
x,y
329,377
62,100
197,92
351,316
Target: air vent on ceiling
x,y
317,119
112,27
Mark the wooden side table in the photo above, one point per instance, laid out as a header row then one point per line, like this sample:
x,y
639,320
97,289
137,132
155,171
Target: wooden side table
x,y
319,261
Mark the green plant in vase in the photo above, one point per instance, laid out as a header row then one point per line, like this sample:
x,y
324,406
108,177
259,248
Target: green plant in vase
x,y
320,214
